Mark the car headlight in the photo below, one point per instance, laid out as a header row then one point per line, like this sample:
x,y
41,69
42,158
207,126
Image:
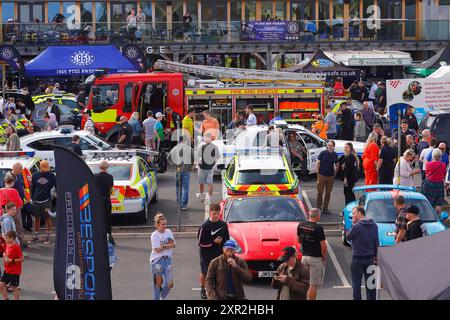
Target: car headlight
x,y
238,247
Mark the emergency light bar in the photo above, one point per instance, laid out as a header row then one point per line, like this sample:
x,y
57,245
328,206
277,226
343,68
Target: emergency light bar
x,y
122,153
260,151
13,154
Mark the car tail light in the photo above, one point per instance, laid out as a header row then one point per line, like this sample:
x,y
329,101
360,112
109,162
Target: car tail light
x,y
132,193
291,191
236,192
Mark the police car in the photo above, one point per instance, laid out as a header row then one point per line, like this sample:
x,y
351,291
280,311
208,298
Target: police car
x,y
254,138
260,174
29,162
42,143
60,98
135,182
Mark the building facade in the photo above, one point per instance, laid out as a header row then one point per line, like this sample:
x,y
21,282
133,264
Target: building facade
x,y
214,34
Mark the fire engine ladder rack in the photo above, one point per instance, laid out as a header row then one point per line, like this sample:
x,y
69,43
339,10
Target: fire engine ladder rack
x,y
241,75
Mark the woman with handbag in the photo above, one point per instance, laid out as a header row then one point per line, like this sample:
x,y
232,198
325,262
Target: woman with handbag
x,y
433,185
9,194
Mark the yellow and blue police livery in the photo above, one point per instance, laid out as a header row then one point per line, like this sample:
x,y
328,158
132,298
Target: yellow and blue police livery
x,y
135,182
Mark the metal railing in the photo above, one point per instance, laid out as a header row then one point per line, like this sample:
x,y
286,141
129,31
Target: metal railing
x,y
216,32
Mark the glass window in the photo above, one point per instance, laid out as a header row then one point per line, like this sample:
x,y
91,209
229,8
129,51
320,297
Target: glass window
x,y
390,29
86,12
303,10
53,10
104,96
146,7
119,172
266,9
42,145
264,209
236,10
324,19
100,12
7,11
383,211
192,8
410,16
355,22
279,10
231,168
262,176
161,15
214,11
24,13
38,12
250,10
338,19
368,12
128,98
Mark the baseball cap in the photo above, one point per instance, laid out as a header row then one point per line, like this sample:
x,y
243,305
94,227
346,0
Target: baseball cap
x,y
44,166
230,244
412,209
287,253
159,114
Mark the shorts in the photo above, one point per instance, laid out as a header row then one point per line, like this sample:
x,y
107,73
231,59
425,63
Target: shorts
x,y
316,269
39,208
205,176
205,260
10,279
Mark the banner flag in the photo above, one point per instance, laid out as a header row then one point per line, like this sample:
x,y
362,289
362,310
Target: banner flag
x,y
81,261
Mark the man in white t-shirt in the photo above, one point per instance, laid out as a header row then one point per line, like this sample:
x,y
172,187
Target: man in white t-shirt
x,y
424,155
251,118
149,129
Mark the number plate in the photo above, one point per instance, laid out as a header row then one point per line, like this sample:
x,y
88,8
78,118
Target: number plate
x,y
266,274
268,193
117,208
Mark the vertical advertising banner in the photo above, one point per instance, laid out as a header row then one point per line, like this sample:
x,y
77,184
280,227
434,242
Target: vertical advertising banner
x,y
81,262
11,56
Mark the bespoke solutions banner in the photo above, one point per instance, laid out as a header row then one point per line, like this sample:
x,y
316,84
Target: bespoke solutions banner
x,y
11,56
270,31
81,262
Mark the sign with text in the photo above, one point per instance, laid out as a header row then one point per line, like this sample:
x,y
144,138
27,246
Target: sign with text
x,y
270,31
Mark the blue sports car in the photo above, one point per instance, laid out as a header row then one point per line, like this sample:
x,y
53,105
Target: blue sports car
x,y
379,206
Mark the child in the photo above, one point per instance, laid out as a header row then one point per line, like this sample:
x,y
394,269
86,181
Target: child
x,y
12,259
7,220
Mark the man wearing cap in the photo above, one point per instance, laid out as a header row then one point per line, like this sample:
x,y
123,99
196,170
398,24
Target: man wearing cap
x,y
226,275
292,277
311,237
42,183
159,129
415,228
125,132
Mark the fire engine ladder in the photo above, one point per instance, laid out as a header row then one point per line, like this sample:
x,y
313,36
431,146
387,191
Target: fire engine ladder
x,y
240,75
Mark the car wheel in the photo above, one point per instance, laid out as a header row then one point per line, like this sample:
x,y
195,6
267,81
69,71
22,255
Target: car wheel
x,y
155,197
143,215
344,236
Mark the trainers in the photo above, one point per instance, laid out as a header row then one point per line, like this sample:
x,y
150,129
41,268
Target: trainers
x,y
51,214
203,294
34,240
183,208
47,239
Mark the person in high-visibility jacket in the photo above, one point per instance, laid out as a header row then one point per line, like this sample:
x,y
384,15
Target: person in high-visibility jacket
x,y
320,127
370,159
188,124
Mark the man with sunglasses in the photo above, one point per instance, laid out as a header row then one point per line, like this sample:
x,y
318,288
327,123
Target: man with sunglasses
x,y
443,148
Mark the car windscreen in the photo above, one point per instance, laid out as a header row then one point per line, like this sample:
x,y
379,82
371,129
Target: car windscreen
x,y
119,172
103,144
383,210
260,176
264,209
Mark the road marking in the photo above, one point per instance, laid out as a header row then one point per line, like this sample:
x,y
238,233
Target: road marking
x,y
344,287
196,289
308,203
337,266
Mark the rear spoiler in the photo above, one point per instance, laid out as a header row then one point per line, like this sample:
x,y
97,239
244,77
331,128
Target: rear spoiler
x,y
380,187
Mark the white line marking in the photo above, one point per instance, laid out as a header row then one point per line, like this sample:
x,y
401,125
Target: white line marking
x,y
344,287
196,289
337,266
308,203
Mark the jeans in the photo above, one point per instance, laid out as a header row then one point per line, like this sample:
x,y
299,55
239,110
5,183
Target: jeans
x,y
348,192
358,269
162,267
185,178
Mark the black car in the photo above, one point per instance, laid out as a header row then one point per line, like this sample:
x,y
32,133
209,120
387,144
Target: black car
x,y
68,116
439,124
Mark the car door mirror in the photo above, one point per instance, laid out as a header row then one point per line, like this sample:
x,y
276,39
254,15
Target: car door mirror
x,y
444,216
220,167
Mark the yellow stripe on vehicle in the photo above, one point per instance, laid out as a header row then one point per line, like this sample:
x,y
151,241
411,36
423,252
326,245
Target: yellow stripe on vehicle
x,y
109,115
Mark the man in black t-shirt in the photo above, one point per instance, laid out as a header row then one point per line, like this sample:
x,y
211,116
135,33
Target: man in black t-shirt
x,y
208,155
105,183
75,145
211,236
311,237
125,132
415,227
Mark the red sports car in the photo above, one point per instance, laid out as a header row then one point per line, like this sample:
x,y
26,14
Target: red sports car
x,y
262,226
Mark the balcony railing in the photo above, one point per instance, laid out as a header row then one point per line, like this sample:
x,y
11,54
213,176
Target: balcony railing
x,y
218,32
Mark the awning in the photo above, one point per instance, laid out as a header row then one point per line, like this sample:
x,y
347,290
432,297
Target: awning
x,y
321,63
417,269
67,61
370,58
427,67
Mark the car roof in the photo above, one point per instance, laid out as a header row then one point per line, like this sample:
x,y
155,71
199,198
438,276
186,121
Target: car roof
x,y
380,195
53,134
260,161
10,161
441,111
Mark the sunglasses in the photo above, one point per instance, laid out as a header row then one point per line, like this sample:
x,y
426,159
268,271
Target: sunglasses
x,y
443,149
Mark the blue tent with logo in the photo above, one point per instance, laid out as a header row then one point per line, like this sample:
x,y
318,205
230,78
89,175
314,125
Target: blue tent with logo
x,y
66,61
